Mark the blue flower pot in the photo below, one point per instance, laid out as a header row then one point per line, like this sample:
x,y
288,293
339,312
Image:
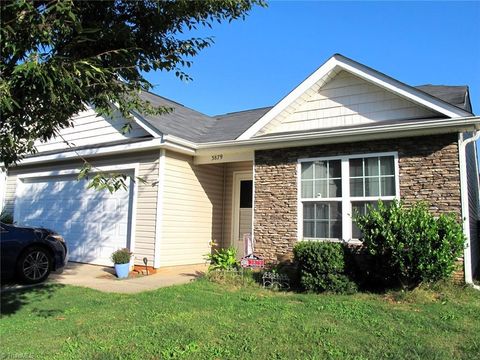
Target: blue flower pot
x,y
122,270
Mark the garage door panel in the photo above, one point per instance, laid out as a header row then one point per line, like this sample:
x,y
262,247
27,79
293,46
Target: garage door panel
x,y
94,223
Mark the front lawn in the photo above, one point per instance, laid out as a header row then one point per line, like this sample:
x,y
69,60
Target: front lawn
x,y
203,320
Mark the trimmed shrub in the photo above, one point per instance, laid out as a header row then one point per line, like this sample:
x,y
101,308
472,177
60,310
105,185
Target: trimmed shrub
x,y
321,267
409,245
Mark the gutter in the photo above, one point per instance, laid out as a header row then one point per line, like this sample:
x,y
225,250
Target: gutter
x,y
467,256
467,123
68,154
177,144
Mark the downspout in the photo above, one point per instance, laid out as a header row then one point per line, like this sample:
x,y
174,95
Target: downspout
x,y
467,256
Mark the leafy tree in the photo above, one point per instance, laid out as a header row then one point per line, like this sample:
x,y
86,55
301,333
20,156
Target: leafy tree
x,y
59,55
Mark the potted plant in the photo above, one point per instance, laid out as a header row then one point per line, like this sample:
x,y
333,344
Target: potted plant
x,y
121,260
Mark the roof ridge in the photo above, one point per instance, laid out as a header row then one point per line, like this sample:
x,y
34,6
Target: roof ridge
x,y
242,111
180,104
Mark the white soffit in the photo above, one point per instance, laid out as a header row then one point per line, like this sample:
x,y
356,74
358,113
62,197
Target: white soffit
x,y
333,66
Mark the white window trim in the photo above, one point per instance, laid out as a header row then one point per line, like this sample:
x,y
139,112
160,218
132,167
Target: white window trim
x,y
345,199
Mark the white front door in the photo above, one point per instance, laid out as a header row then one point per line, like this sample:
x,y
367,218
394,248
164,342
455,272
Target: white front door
x,y
242,211
94,223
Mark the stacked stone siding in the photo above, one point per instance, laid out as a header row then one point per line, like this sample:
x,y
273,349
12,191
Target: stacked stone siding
x,y
428,170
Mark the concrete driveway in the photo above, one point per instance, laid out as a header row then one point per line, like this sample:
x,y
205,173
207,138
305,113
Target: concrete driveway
x,y
103,278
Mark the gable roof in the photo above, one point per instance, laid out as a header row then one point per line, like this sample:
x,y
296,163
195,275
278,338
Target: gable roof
x,y
338,63
197,127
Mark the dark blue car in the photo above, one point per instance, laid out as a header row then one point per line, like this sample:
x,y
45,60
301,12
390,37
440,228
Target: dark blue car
x,y
30,254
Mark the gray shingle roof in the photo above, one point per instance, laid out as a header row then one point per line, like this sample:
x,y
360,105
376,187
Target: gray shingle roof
x,y
194,126
183,122
232,125
455,95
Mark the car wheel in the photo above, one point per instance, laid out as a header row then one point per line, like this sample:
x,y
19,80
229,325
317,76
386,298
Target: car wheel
x,y
34,265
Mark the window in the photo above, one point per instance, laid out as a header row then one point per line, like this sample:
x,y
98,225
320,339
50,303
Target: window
x,y
321,187
332,189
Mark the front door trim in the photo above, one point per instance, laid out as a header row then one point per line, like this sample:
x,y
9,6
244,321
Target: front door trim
x,y
238,176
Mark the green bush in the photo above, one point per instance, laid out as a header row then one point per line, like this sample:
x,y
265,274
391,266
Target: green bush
x,y
6,217
121,256
409,245
223,259
321,267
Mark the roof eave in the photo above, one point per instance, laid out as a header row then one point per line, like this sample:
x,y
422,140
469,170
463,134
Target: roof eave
x,y
384,131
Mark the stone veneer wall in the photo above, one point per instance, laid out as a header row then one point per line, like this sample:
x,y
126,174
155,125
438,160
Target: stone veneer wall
x,y
428,167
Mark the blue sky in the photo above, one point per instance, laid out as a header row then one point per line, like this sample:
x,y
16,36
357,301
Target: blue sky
x,y
254,63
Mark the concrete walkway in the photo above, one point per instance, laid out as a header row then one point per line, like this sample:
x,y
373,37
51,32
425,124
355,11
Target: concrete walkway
x,y
103,278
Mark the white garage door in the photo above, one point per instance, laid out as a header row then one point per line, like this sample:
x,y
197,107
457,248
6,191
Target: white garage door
x,y
94,223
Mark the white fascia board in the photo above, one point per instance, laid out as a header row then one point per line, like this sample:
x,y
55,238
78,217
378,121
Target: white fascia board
x,y
338,62
139,119
289,99
107,150
180,141
400,88
151,144
417,128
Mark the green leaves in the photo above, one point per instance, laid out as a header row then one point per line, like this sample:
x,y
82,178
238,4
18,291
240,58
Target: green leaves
x,y
101,180
121,256
223,259
57,56
322,267
410,245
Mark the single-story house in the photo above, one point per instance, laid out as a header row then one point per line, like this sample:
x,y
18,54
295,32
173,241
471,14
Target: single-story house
x,y
346,136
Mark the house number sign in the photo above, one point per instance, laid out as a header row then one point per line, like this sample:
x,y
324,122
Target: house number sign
x,y
217,157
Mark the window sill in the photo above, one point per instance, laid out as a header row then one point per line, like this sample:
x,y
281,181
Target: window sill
x,y
351,241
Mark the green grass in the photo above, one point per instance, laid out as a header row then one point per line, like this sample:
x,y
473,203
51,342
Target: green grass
x,y
204,320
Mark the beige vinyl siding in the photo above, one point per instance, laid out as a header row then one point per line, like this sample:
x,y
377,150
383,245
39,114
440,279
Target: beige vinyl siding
x,y
192,210
345,100
473,205
146,207
91,129
230,168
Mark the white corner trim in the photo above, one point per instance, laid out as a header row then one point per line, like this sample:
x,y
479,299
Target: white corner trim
x,y
133,204
467,256
253,204
159,213
339,62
